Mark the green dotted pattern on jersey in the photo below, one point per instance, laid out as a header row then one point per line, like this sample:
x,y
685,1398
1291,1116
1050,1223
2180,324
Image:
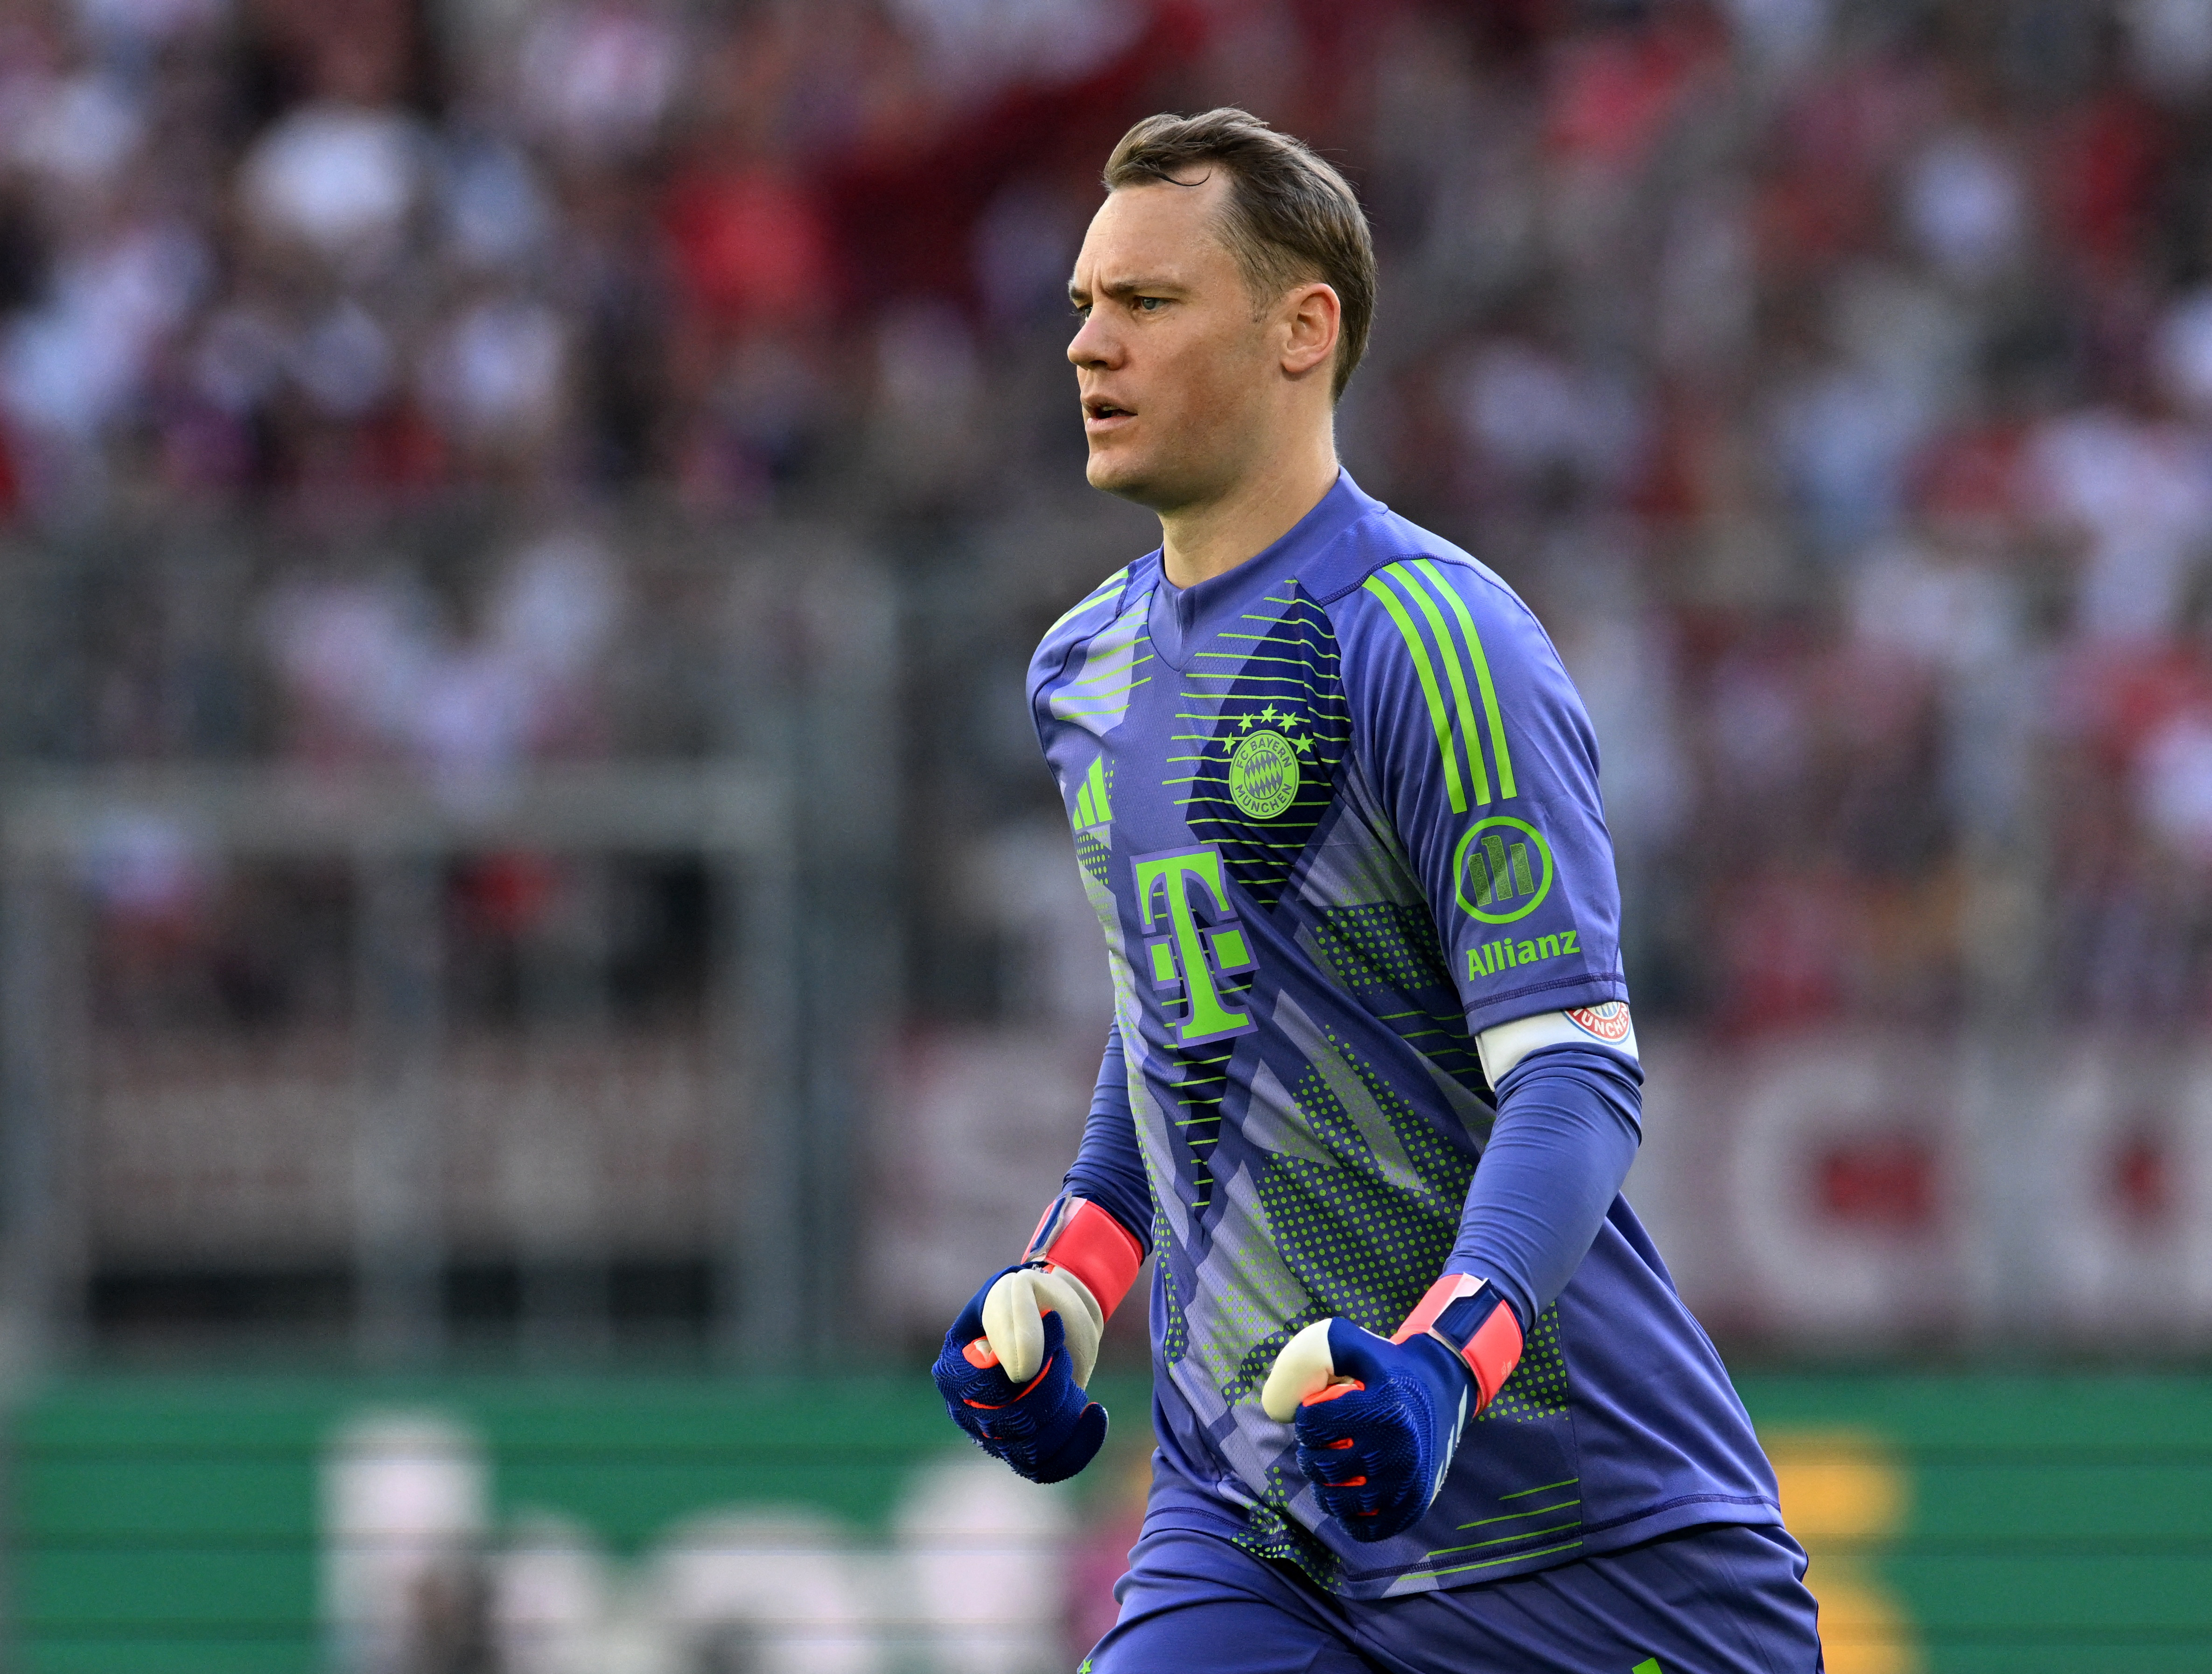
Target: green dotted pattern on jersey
x,y
1393,945
1095,854
1270,1531
1445,1173
1383,944
1365,1250
1094,848
1174,1341
1538,1387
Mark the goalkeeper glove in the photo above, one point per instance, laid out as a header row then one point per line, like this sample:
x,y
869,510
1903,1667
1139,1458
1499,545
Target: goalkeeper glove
x,y
1017,1361
1378,1420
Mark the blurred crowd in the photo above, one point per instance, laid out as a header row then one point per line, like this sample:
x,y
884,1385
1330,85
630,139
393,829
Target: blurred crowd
x,y
1834,377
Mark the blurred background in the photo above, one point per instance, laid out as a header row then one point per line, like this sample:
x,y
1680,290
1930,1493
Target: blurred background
x,y
529,907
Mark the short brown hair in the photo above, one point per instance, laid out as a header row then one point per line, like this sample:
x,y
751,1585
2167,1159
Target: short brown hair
x,y
1291,218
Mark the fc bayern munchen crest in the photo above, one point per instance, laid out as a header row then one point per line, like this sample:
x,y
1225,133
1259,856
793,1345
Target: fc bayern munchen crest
x,y
1607,1022
1263,774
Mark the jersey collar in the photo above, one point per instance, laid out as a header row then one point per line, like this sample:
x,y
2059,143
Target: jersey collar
x,y
1184,619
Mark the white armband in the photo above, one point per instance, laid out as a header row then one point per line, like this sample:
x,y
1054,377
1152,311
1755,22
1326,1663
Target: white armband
x,y
1607,1025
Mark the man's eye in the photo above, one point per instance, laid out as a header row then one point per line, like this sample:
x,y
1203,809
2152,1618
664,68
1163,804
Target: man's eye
x,y
1149,304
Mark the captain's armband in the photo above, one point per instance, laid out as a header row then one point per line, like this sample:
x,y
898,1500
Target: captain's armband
x,y
1607,1025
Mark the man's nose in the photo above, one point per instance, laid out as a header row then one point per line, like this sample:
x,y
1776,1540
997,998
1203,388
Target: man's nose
x,y
1090,345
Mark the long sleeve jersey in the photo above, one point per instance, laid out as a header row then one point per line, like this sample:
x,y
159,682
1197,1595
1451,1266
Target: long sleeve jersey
x,y
1338,812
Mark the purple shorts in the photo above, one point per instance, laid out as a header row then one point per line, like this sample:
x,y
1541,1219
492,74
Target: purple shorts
x,y
1725,1598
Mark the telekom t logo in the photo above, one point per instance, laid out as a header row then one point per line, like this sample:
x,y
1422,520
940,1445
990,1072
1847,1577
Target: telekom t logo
x,y
1178,884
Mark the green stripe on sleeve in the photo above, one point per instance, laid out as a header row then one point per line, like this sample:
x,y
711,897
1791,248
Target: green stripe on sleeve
x,y
1470,740
1482,678
1428,673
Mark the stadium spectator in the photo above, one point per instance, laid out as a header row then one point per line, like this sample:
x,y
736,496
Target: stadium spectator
x,y
1839,379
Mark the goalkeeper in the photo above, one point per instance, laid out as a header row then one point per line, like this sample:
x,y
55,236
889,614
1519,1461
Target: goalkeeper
x,y
1425,1396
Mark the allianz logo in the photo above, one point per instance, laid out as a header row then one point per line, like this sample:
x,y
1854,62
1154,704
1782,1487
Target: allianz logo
x,y
1492,957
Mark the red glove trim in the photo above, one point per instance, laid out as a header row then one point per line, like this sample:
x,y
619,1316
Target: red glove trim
x,y
1492,1352
1092,1245
1020,1394
1494,1349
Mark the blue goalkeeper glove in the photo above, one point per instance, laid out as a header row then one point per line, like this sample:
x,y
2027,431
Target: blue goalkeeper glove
x,y
1016,1363
1044,1426
1378,1419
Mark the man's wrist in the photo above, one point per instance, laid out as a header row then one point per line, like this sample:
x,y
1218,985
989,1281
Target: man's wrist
x,y
1466,1314
1090,1244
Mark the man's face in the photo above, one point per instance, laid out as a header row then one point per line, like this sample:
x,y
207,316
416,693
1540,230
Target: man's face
x,y
1174,372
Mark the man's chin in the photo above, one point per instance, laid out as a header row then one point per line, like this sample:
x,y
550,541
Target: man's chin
x,y
1113,472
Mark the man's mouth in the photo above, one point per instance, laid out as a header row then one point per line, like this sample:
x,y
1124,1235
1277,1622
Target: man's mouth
x,y
1100,411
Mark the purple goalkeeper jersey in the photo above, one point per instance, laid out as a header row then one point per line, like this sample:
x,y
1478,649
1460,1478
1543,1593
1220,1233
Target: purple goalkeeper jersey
x,y
1337,811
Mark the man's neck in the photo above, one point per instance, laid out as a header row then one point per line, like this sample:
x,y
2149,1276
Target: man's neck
x,y
1197,543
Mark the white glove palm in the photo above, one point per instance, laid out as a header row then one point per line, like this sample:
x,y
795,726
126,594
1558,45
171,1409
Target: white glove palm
x,y
1013,1321
1302,1370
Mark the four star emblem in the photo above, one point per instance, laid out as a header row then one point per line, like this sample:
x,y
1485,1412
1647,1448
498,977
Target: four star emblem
x,y
1283,721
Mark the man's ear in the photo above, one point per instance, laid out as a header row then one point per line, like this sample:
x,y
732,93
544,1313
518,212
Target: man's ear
x,y
1312,318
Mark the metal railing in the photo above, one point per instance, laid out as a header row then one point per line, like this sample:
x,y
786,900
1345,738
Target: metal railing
x,y
394,835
